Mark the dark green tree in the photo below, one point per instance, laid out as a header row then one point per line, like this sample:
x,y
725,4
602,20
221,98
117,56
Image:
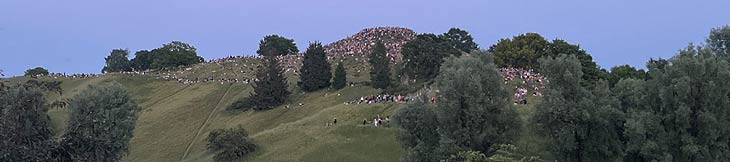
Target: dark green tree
x,y
316,71
582,125
423,56
270,87
340,79
117,61
719,41
521,51
35,72
379,67
682,115
474,108
142,60
460,39
25,133
101,124
279,44
417,125
472,112
175,54
591,71
625,72
230,144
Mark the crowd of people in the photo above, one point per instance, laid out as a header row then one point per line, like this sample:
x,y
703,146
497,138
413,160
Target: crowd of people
x,y
532,83
379,99
362,42
75,76
378,121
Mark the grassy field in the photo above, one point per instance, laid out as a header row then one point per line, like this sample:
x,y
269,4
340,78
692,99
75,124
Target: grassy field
x,y
176,119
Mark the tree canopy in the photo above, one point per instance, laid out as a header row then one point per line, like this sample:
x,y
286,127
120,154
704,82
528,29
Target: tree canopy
x,y
275,45
379,67
117,61
34,72
270,87
170,55
460,39
101,124
423,56
316,71
340,79
719,41
624,72
472,112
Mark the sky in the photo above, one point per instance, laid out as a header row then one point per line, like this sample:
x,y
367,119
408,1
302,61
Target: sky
x,y
74,36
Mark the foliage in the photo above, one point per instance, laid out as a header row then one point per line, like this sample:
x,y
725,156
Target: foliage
x,y
472,112
582,125
316,71
379,67
523,51
625,72
719,41
142,60
682,114
230,144
275,45
423,56
101,124
474,108
34,72
340,79
243,104
417,134
175,54
117,61
270,87
467,156
25,133
460,39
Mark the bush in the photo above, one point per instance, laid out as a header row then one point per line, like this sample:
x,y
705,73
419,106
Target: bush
x,y
243,104
231,144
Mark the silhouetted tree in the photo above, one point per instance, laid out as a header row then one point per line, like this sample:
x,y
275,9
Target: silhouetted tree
x,y
117,61
460,39
34,72
275,45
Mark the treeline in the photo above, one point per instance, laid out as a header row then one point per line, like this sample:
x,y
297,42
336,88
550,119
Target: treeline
x,y
100,125
676,110
170,55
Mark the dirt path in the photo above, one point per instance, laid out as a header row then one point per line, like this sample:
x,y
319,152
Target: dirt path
x,y
210,116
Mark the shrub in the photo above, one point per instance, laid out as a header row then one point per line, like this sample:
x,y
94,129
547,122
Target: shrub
x,y
230,144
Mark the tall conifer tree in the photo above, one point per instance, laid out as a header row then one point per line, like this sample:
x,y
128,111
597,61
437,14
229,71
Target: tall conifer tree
x,y
380,67
316,71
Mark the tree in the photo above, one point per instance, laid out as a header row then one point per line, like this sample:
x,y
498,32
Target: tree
x,y
460,39
174,54
316,71
379,67
719,41
35,72
474,108
423,56
417,124
25,133
101,124
142,60
624,72
521,51
340,79
683,112
117,61
279,44
472,112
591,71
582,125
270,86
230,144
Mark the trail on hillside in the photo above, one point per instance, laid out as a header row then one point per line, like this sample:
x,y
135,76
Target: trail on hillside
x,y
166,97
210,116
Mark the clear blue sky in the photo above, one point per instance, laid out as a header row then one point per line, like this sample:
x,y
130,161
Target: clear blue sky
x,y
74,36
